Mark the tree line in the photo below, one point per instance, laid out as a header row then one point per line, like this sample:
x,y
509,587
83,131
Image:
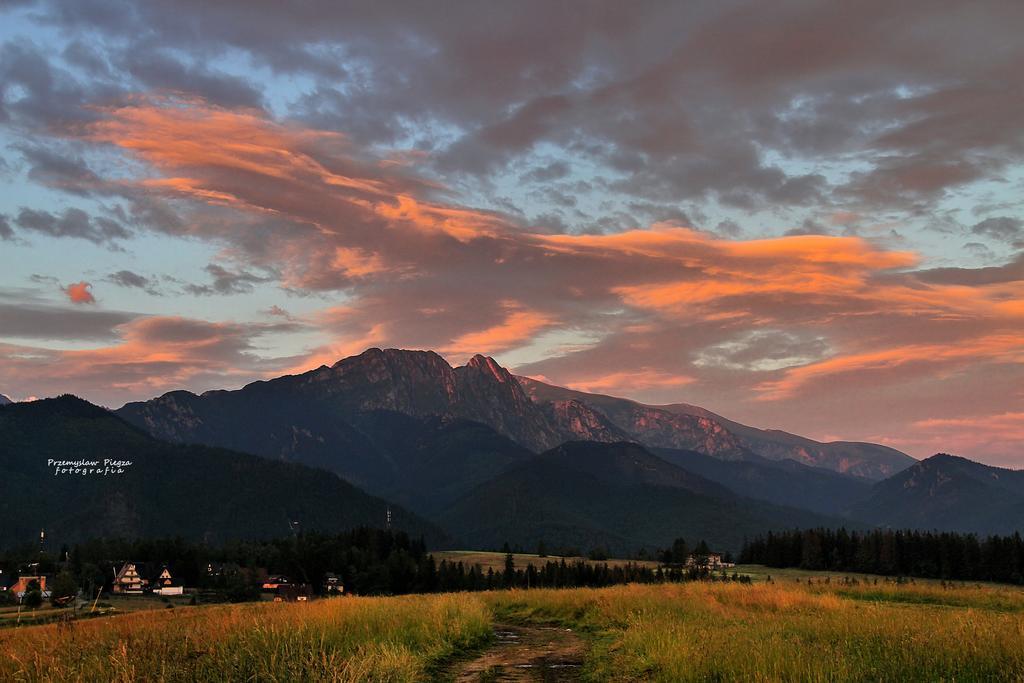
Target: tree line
x,y
925,554
369,562
457,576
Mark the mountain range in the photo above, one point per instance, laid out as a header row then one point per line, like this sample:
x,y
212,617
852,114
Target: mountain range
x,y
421,384
489,457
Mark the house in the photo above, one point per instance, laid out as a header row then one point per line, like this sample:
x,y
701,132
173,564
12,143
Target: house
x,y
711,561
273,583
164,583
164,578
332,585
128,581
20,586
294,592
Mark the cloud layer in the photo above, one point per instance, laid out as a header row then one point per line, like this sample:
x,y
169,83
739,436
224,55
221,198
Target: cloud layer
x,y
759,209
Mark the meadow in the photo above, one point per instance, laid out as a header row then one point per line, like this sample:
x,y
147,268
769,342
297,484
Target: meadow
x,y
780,630
496,561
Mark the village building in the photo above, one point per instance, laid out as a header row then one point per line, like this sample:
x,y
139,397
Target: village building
x,y
20,586
332,584
127,581
294,592
711,561
164,583
273,583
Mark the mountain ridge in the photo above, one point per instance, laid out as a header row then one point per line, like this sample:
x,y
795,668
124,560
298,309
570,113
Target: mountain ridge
x,y
782,482
687,427
536,415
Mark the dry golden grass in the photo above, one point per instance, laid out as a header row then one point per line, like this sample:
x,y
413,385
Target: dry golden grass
x,y
345,639
771,632
674,632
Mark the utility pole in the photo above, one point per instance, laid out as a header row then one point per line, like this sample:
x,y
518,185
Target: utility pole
x,y
389,518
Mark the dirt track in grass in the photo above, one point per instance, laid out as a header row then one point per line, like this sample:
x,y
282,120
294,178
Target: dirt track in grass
x,y
526,653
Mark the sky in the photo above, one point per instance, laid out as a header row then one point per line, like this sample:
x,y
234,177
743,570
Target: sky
x,y
800,215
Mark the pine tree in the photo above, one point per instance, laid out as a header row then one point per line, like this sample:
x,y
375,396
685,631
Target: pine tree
x,y
510,570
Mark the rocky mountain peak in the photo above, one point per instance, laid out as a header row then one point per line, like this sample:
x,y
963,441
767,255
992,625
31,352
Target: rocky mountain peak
x,y
488,365
413,382
422,363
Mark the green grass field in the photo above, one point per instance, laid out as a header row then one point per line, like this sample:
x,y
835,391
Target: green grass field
x,y
109,605
761,573
496,561
782,630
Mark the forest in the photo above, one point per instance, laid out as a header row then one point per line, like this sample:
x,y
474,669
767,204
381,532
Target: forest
x,y
937,555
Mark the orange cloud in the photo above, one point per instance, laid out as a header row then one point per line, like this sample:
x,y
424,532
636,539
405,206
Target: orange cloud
x,y
155,354
174,133
999,436
630,382
1009,426
518,327
683,273
356,262
1005,348
221,156
692,247
80,293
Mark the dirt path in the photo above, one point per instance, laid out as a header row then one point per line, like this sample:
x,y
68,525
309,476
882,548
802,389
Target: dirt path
x,y
527,653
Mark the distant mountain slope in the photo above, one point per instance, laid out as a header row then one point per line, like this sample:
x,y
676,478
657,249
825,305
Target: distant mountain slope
x,y
435,460
617,496
362,420
193,491
271,420
687,427
783,482
949,493
314,417
4,400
